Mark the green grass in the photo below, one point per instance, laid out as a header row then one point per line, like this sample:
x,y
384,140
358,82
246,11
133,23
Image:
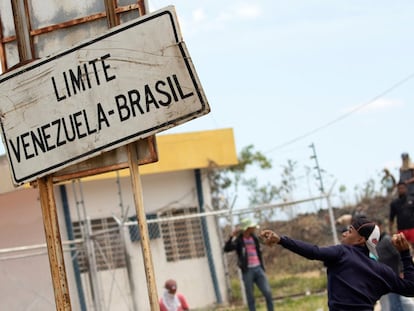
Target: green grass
x,y
293,285
306,303
305,292
316,302
286,285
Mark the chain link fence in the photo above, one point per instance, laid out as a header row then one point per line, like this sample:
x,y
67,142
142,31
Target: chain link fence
x,y
104,256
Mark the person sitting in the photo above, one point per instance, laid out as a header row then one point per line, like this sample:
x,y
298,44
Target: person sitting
x,y
171,300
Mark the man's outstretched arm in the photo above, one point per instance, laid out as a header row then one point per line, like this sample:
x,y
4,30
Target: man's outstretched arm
x,y
304,249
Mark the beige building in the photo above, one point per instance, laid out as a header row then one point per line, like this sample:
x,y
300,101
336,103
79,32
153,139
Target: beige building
x,y
104,266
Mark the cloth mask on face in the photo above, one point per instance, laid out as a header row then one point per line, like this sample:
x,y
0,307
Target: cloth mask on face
x,y
171,301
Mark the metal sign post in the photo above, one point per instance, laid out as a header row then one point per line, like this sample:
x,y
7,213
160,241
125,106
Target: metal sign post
x,y
143,229
133,155
54,244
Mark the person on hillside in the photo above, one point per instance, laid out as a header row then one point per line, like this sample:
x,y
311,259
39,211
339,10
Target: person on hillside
x,y
407,174
247,246
388,182
355,281
402,208
171,300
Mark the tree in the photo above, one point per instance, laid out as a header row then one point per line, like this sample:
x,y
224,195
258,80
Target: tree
x,y
225,183
288,180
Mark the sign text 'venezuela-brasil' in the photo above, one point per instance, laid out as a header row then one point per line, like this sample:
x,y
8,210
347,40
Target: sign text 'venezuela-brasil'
x,y
127,84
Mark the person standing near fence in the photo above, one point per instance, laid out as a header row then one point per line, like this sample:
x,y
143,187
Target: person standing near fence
x,y
247,246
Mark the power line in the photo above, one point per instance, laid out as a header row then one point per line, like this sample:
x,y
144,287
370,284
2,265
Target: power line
x,y
343,116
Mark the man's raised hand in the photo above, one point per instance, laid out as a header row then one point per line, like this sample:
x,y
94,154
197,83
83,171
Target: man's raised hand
x,y
400,242
268,237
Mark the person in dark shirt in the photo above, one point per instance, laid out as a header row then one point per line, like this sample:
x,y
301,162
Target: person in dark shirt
x,y
355,281
407,174
250,261
402,208
389,255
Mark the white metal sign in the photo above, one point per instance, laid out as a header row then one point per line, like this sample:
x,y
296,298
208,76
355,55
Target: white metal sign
x,y
129,83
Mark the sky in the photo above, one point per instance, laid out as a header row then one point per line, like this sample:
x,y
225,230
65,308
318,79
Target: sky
x,y
287,74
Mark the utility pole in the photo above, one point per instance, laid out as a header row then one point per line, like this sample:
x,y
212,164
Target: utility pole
x,y
322,189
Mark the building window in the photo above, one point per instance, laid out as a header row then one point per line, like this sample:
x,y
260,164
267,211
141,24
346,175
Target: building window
x,y
183,238
153,228
107,244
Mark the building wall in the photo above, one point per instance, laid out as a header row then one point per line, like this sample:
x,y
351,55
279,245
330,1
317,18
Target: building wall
x,y
104,198
25,279
194,276
170,183
6,184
